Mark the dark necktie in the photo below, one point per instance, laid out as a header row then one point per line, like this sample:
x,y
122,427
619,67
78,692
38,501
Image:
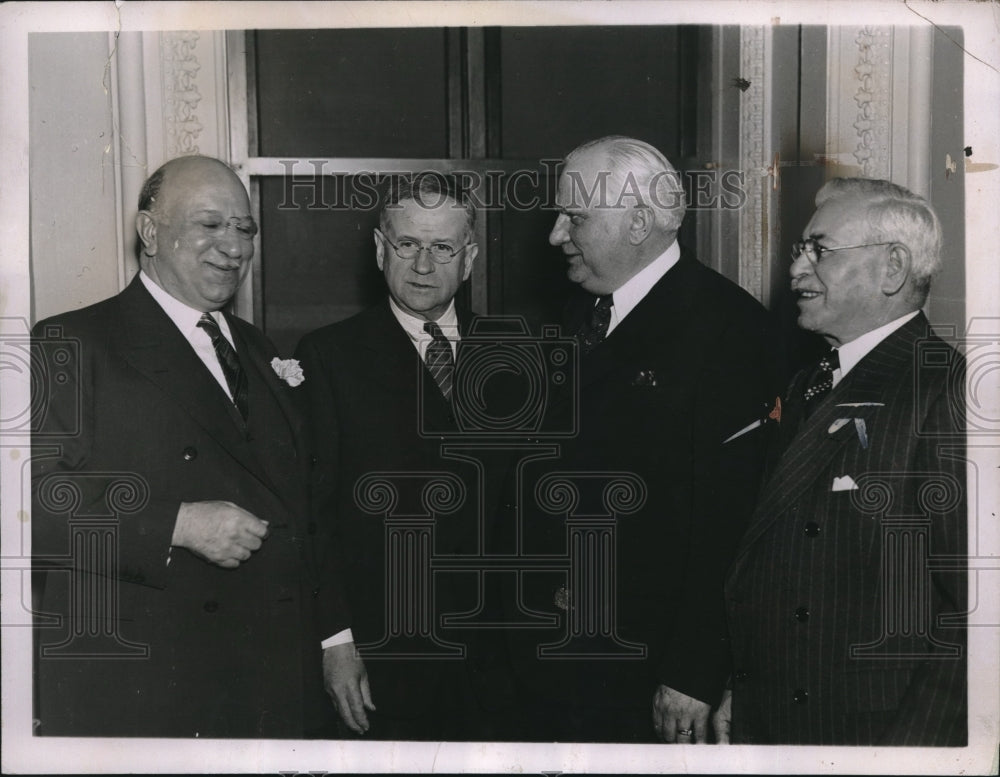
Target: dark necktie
x,y
236,378
439,359
596,329
820,380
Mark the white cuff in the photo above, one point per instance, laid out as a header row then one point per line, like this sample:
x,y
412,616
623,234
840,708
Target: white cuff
x,y
340,638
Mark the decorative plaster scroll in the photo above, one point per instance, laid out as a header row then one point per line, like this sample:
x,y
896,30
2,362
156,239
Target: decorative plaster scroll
x,y
874,100
180,92
753,161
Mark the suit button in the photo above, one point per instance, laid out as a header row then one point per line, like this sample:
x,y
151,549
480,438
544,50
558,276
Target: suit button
x,y
315,592
211,606
740,675
313,461
812,529
800,696
802,614
190,453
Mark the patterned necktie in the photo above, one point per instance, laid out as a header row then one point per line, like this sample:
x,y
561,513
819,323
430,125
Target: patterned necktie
x,y
439,359
595,330
821,380
236,378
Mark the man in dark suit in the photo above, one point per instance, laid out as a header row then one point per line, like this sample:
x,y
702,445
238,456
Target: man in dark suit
x,y
382,485
675,361
170,502
846,600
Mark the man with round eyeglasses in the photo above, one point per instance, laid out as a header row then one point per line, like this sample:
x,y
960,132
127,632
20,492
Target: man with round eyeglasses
x,y
846,629
177,596
374,382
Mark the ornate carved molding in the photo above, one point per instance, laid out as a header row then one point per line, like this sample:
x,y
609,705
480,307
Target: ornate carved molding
x,y
180,92
874,100
753,161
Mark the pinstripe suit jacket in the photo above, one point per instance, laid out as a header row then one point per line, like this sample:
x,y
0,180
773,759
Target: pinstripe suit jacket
x,y
845,606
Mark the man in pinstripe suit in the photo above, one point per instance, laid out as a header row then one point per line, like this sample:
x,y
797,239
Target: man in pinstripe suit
x,y
845,601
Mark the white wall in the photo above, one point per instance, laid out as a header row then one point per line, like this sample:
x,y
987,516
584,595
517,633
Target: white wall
x,y
74,230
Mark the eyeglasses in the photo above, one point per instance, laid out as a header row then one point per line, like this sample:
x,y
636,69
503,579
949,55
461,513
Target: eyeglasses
x,y
814,251
408,250
215,228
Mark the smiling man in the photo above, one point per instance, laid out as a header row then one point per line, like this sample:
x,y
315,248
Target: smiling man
x,y
169,494
847,629
371,378
676,360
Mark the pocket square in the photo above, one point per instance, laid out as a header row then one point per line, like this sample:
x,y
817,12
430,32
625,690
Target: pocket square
x,y
644,378
844,483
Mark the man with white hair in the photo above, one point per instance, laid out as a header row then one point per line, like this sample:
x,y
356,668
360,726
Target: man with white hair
x,y
675,361
846,599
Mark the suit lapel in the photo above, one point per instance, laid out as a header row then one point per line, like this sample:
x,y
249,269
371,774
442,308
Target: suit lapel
x,y
152,344
814,447
391,354
254,359
663,310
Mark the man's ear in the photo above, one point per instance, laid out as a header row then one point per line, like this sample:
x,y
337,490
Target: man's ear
x,y
379,250
897,269
641,223
470,256
145,226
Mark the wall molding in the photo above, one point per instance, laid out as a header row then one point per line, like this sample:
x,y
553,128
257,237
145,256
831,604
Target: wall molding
x,y
180,94
873,122
879,103
754,243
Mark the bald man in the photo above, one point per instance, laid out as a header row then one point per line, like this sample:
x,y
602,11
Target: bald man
x,y
169,499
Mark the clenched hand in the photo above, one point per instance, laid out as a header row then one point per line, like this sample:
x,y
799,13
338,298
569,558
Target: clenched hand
x,y
220,532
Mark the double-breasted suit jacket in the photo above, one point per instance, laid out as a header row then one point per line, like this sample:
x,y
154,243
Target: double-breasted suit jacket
x,y
846,599
138,638
688,367
390,500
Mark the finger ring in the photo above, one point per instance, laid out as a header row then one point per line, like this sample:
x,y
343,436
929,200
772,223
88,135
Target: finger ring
x,y
684,732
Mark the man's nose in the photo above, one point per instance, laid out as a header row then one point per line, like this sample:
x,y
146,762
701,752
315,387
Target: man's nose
x,y
800,267
422,262
231,244
559,234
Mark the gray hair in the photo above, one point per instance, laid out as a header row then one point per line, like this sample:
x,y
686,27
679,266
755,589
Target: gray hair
x,y
642,170
428,188
896,214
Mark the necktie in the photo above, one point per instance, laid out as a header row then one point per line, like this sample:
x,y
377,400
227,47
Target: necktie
x,y
439,359
820,381
235,376
596,329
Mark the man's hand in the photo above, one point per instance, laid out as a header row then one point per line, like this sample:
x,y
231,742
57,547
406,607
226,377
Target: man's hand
x,y
679,718
220,532
723,717
346,680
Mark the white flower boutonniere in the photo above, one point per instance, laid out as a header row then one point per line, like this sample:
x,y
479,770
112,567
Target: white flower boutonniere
x,y
289,370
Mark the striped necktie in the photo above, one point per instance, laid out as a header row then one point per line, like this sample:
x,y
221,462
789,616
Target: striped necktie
x,y
439,359
236,378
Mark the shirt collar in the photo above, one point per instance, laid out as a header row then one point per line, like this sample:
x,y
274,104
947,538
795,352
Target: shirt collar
x,y
853,352
414,327
185,317
635,288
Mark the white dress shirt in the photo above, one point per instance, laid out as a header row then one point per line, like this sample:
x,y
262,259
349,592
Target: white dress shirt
x,y
186,319
858,348
414,328
632,292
